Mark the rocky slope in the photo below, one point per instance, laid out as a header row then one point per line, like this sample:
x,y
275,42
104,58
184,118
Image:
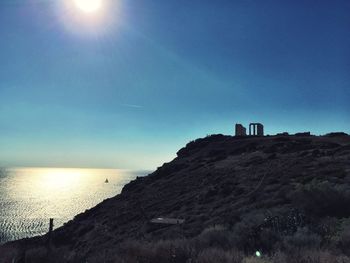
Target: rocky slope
x,y
215,180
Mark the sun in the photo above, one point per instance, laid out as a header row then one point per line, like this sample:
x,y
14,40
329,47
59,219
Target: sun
x,y
88,6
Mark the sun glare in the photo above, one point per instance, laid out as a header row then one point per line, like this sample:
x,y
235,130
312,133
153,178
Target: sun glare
x,y
88,6
90,18
59,178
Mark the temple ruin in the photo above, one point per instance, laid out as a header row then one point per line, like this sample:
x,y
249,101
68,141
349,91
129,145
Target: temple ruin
x,y
240,130
255,129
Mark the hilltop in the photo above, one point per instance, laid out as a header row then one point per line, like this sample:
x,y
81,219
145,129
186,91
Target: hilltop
x,y
279,183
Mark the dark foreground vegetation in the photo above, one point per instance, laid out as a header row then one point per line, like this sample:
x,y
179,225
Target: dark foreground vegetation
x,y
285,197
220,245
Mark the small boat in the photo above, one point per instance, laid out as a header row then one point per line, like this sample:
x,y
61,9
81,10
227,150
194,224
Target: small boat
x,y
106,181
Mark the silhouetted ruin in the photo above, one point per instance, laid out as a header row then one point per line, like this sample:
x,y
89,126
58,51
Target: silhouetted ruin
x,y
240,130
255,129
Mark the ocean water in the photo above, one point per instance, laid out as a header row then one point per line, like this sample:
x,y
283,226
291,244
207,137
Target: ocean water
x,y
30,196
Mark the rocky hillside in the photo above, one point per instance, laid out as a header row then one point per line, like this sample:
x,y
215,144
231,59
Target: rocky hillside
x,y
218,180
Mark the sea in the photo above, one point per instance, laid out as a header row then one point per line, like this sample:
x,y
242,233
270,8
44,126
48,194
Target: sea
x,y
29,197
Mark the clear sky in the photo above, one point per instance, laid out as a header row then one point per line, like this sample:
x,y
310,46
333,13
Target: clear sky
x,y
129,85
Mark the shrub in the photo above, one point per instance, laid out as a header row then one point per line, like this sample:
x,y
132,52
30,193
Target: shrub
x,y
163,251
323,199
216,236
300,240
255,260
176,251
268,240
133,251
219,256
342,237
309,256
314,256
247,234
327,229
279,257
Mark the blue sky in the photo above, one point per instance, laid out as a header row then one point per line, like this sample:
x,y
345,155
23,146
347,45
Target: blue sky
x,y
132,88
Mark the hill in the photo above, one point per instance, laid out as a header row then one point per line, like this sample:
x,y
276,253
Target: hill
x,y
257,187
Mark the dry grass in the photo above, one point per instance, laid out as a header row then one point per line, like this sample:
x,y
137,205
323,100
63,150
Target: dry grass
x,y
219,256
214,245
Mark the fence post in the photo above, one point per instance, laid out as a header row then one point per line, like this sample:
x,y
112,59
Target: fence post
x,y
49,240
50,229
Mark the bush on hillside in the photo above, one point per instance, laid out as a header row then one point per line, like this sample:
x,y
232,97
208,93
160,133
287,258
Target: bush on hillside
x,y
219,256
309,256
301,240
215,237
163,251
322,199
341,238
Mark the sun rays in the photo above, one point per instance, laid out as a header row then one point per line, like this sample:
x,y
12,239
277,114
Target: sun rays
x,y
88,6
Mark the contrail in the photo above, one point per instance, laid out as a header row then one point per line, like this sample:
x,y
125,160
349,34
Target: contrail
x,y
131,105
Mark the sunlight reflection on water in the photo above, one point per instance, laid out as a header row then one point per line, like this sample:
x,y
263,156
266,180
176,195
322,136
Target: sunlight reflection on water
x,y
30,196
